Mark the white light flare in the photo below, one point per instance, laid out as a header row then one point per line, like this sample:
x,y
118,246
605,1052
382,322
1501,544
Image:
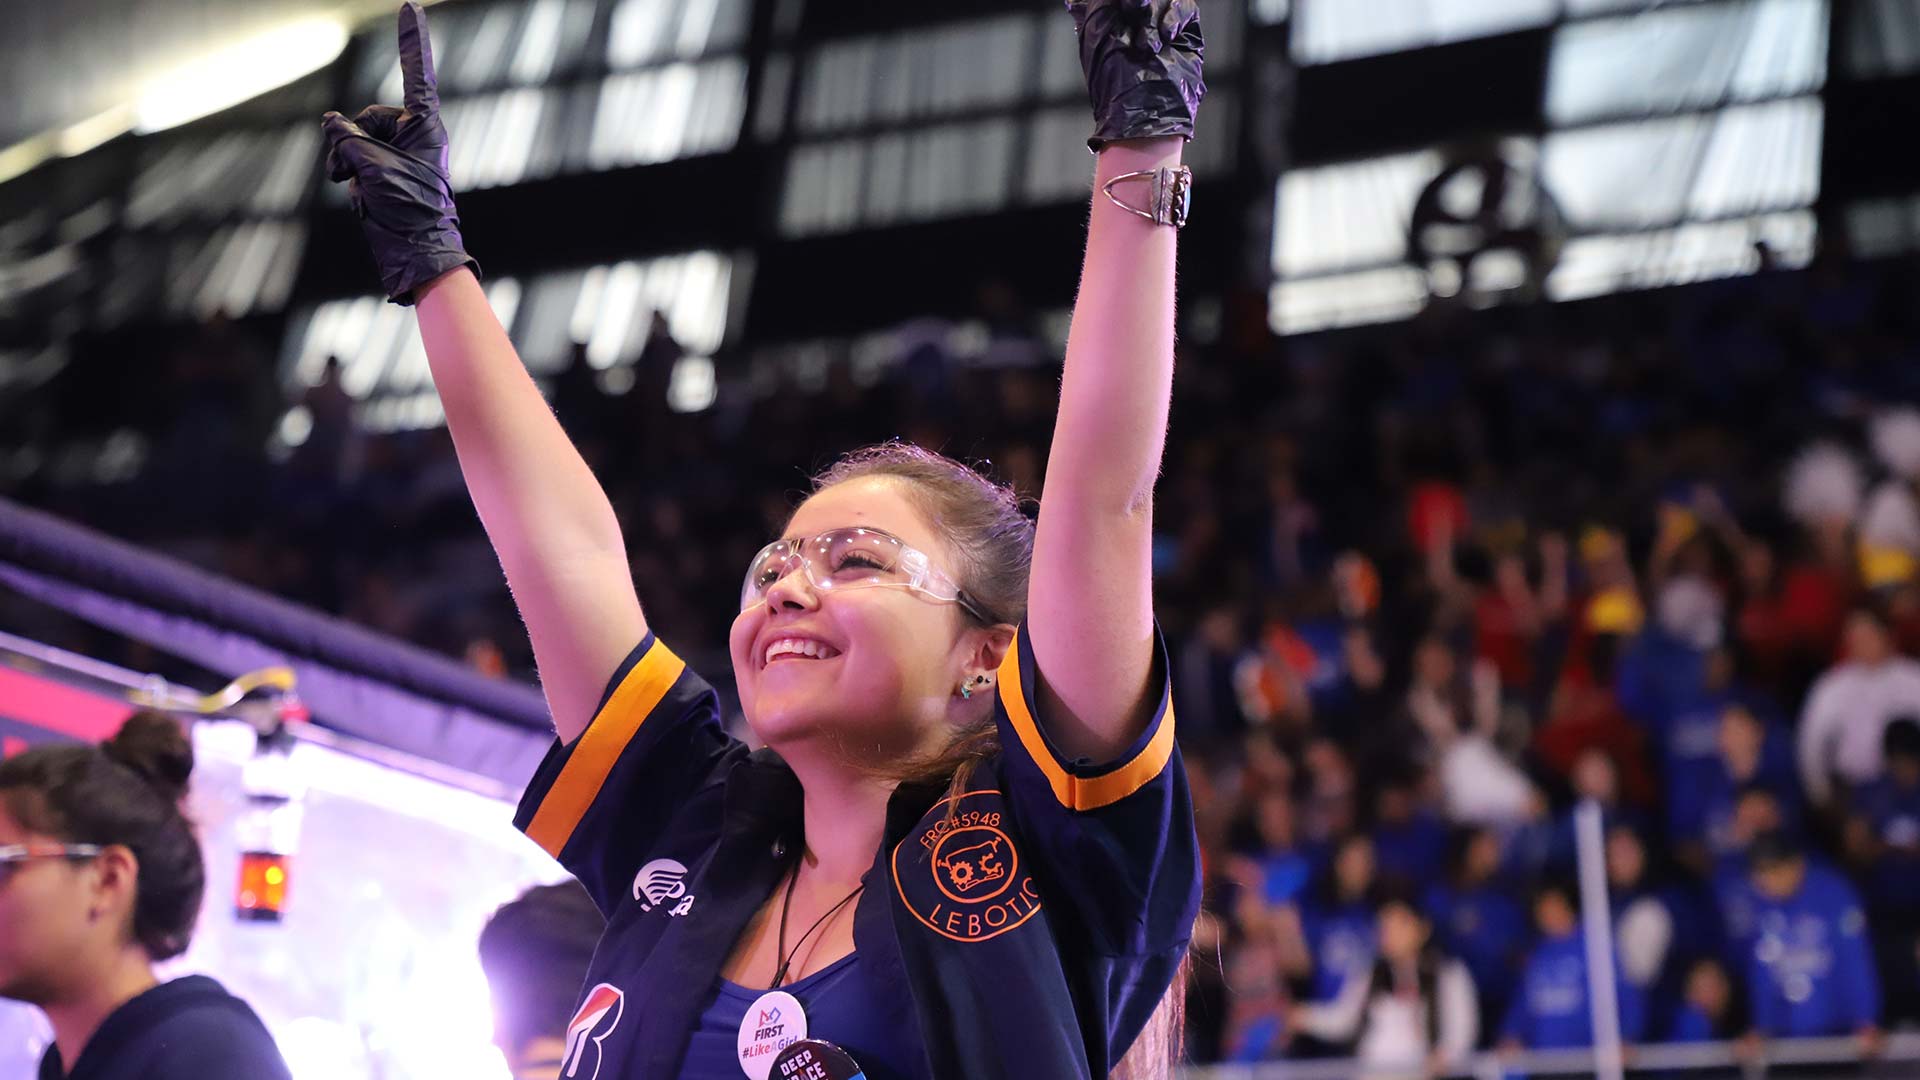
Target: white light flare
x,y
237,72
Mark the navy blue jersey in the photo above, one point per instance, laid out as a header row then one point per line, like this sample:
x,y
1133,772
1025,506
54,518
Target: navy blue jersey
x,y
1026,926
187,1029
1809,967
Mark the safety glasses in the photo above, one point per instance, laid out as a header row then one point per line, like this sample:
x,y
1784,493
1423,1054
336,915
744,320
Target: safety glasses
x,y
13,855
852,558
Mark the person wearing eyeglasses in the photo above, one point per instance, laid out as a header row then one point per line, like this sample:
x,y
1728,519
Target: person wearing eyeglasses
x,y
100,879
968,848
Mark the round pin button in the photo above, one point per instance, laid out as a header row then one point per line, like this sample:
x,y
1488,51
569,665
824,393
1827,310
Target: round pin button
x,y
815,1059
773,1022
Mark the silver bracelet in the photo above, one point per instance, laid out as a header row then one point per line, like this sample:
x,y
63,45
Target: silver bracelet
x,y
1171,195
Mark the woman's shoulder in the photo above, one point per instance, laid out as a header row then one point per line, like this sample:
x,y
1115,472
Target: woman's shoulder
x,y
204,1031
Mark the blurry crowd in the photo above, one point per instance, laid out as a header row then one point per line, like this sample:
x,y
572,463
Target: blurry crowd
x,y
1427,588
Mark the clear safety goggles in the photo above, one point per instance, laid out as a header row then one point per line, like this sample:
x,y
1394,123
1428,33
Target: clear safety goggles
x,y
852,558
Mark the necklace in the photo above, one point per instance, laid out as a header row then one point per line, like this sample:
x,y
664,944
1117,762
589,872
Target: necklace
x,y
786,902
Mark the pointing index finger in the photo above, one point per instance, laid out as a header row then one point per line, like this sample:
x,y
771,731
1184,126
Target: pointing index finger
x,y
416,61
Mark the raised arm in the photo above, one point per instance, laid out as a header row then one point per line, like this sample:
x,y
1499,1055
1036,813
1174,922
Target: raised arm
x,y
551,524
549,521
1090,604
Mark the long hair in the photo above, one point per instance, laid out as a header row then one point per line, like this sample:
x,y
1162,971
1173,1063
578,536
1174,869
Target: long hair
x,y
988,528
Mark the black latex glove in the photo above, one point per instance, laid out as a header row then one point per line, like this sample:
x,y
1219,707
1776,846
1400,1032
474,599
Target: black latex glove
x,y
395,164
1142,62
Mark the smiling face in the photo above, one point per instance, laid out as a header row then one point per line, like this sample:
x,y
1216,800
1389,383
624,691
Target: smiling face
x,y
874,673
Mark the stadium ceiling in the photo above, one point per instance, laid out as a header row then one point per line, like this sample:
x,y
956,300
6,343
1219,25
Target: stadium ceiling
x,y
772,173
80,72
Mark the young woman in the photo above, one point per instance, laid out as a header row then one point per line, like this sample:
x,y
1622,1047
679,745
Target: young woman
x,y
1411,1013
100,878
1337,920
968,849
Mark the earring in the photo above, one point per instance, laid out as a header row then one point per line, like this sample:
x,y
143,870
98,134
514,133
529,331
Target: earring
x,y
966,688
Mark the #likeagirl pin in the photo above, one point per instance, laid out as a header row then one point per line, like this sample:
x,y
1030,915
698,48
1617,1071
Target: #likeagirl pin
x,y
773,1022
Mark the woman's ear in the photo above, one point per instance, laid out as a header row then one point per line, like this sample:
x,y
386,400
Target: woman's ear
x,y
989,648
114,884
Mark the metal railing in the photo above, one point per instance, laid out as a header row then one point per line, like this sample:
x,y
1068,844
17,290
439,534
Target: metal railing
x,y
1898,1057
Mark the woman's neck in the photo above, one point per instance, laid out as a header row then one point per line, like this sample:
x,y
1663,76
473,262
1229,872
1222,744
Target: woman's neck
x,y
845,814
78,1016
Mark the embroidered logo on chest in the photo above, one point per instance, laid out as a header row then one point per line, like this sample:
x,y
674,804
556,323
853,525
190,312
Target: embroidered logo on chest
x,y
959,873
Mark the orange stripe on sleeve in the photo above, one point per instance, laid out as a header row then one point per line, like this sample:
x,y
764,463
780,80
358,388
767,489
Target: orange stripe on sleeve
x,y
1081,792
605,739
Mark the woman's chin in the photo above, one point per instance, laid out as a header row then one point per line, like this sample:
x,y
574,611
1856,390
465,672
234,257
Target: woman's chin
x,y
792,724
786,717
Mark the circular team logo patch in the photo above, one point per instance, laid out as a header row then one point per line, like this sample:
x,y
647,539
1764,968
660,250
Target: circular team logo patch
x,y
960,875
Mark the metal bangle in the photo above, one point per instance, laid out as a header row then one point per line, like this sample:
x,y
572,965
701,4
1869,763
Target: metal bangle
x,y
1172,193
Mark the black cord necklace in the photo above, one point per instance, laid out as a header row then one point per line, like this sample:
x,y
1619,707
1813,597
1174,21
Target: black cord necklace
x,y
786,902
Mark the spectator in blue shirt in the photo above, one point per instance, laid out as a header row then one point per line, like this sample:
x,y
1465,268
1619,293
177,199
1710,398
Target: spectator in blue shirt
x,y
1706,1008
1338,920
1658,675
1756,813
1477,919
1883,840
1810,971
1272,880
1551,1009
1409,841
1751,753
1284,869
1255,1028
1660,926
1685,723
1596,776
